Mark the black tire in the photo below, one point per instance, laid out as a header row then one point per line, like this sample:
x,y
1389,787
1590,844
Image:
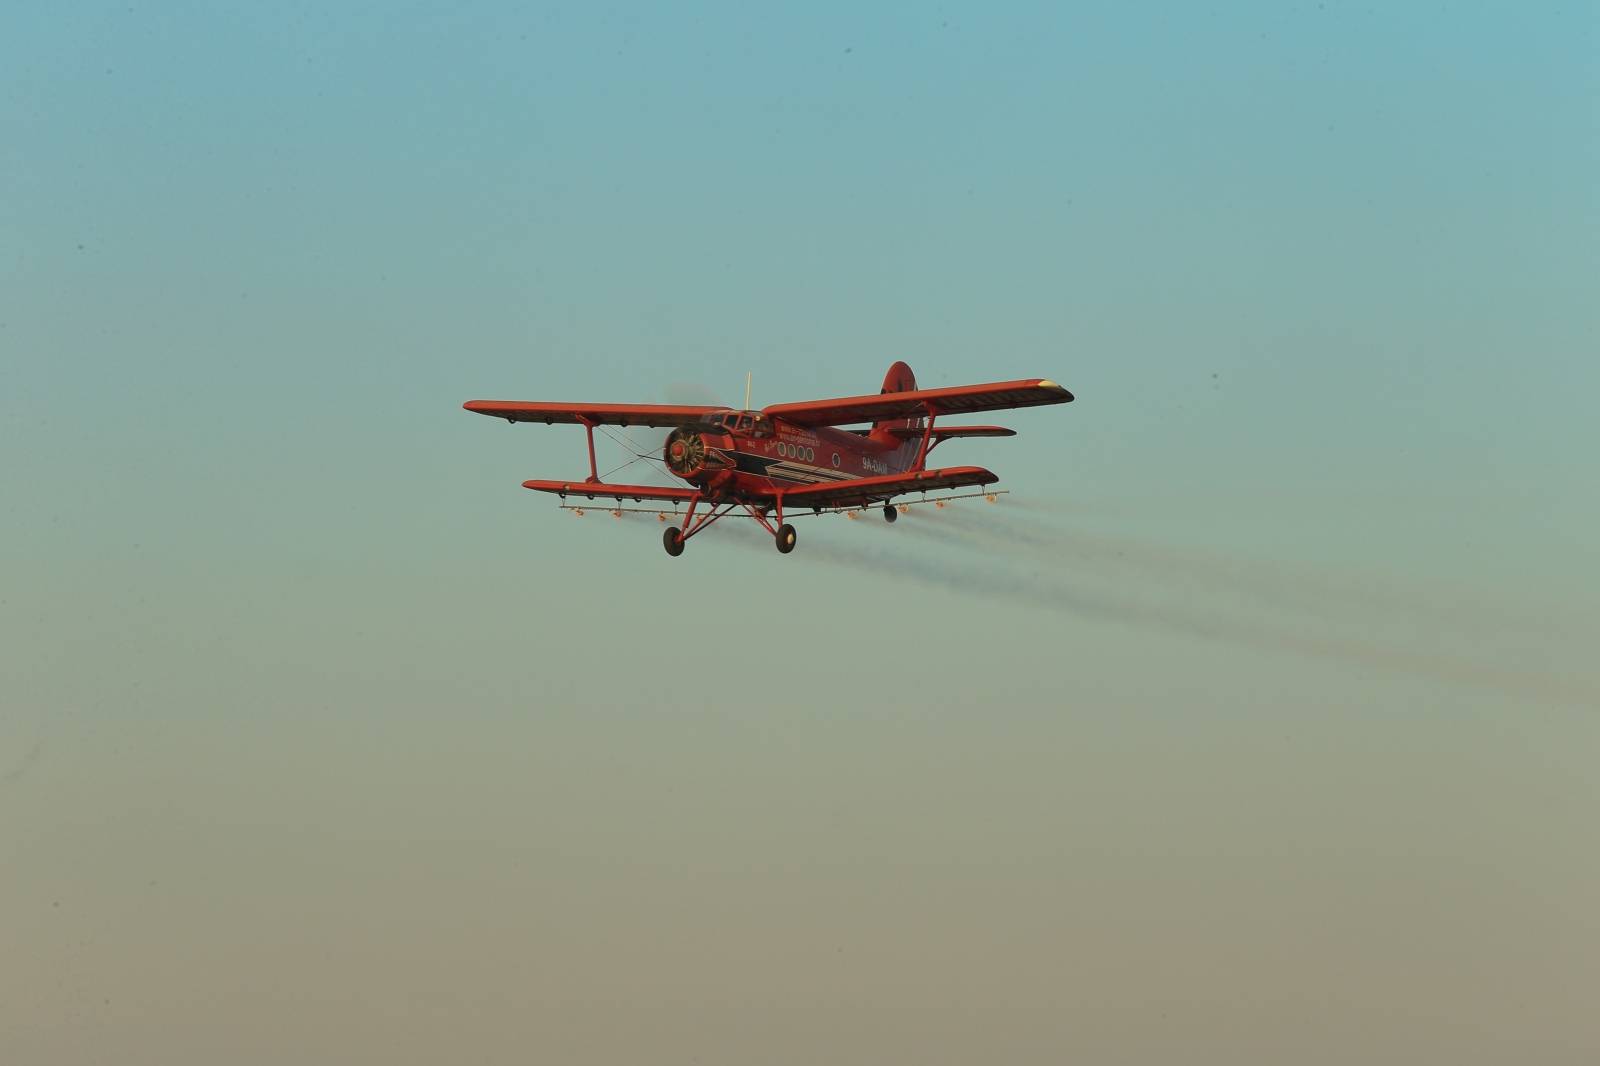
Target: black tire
x,y
889,512
672,541
785,538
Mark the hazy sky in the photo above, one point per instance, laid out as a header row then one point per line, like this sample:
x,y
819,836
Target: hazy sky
x,y
1259,724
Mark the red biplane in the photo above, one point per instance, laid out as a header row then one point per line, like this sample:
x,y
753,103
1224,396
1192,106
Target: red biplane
x,y
791,454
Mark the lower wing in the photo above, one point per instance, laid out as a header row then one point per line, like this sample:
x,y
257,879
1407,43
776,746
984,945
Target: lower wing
x,y
591,489
858,491
862,491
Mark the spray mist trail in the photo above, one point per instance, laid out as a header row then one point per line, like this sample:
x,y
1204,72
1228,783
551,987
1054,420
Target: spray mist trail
x,y
957,569
1039,588
1305,590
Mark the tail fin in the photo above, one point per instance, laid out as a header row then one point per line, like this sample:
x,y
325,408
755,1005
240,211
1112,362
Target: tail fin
x,y
898,379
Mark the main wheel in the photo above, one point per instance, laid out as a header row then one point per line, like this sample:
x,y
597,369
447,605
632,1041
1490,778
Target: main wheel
x,y
785,538
889,513
672,540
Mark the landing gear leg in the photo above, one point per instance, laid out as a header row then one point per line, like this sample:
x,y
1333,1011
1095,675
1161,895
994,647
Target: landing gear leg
x,y
889,512
785,536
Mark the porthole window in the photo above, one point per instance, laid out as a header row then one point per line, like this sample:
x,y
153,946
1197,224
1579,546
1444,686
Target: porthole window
x,y
810,455
836,459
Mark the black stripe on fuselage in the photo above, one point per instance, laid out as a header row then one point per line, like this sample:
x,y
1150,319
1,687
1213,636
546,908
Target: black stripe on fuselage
x,y
784,470
752,464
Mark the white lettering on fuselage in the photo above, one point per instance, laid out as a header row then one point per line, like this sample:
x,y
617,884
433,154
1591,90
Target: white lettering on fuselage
x,y
877,466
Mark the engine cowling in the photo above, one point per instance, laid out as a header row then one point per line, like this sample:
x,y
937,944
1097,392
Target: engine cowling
x,y
693,455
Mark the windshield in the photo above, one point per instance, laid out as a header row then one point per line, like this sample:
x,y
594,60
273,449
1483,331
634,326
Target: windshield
x,y
740,421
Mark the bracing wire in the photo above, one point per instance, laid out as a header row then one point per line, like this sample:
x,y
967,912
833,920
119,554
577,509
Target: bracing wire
x,y
627,444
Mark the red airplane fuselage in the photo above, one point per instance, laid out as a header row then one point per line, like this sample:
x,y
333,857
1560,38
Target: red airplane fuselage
x,y
739,454
746,454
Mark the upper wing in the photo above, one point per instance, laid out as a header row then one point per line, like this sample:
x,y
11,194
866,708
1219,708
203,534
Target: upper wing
x,y
865,490
999,395
591,489
600,414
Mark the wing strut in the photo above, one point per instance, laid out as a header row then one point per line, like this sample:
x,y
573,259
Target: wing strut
x,y
588,429
927,434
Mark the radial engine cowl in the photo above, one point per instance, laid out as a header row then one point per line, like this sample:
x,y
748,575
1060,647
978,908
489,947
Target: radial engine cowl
x,y
687,453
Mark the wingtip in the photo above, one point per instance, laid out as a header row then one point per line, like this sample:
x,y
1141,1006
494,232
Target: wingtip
x,y
1066,397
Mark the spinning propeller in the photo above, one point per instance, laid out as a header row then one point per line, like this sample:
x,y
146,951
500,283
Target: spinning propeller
x,y
685,451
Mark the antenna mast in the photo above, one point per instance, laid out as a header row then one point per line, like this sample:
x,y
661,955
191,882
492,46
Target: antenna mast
x,y
747,389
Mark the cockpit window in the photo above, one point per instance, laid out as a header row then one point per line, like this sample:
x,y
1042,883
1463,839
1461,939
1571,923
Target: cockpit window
x,y
738,422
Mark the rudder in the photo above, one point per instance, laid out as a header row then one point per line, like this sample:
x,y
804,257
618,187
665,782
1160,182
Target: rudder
x,y
898,379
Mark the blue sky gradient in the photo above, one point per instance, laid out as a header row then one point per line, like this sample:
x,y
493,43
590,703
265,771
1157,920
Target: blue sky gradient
x,y
1259,721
